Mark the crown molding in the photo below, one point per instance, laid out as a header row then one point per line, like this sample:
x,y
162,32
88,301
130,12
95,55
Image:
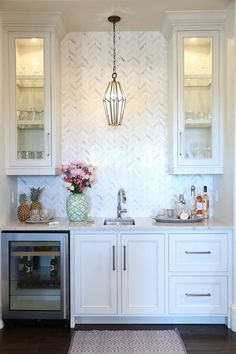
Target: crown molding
x,y
51,20
189,19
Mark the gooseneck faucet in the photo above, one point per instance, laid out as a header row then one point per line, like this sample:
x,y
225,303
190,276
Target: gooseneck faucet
x,y
121,197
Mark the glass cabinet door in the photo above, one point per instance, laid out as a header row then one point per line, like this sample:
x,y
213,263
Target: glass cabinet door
x,y
198,101
30,103
30,111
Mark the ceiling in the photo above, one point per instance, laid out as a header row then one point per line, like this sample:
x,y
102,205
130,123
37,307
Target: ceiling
x,y
91,15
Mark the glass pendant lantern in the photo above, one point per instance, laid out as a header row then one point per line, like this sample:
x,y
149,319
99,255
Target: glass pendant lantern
x,y
114,99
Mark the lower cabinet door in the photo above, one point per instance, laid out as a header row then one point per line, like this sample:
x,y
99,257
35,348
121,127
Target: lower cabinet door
x,y
96,275
198,295
142,274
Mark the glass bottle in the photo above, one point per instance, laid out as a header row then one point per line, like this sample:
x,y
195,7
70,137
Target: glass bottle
x,y
192,206
198,204
28,267
205,203
181,209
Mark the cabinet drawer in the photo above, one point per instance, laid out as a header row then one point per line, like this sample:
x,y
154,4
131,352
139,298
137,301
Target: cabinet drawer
x,y
198,252
198,295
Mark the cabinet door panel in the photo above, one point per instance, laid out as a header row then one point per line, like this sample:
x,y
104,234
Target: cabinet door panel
x,y
142,274
95,275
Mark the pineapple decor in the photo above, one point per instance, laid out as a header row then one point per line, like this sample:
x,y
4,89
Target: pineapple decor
x,y
34,197
23,212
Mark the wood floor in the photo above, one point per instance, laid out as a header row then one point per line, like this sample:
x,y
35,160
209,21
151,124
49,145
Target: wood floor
x,y
25,338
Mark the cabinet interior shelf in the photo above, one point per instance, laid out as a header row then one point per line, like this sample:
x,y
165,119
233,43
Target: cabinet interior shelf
x,y
198,123
30,124
30,81
36,253
197,80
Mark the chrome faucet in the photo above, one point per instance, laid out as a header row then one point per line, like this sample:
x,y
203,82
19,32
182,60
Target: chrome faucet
x,y
120,210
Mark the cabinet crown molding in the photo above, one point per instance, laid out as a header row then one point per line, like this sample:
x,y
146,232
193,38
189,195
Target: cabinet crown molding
x,y
51,20
191,20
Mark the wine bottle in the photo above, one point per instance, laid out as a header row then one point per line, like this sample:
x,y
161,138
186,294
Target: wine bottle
x,y
198,204
205,203
53,267
28,267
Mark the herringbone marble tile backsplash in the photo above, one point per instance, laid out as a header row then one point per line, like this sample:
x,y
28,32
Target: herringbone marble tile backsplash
x,y
133,156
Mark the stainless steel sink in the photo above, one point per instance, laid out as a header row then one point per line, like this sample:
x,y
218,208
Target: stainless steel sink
x,y
119,221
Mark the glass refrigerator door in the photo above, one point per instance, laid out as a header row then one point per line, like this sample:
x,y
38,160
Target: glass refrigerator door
x,y
35,275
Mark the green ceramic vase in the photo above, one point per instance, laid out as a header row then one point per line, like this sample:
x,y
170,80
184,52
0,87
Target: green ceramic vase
x,y
77,206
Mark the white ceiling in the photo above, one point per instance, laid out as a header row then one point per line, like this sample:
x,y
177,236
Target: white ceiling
x,y
91,15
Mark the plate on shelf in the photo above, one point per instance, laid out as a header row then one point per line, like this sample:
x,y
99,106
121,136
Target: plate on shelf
x,y
178,221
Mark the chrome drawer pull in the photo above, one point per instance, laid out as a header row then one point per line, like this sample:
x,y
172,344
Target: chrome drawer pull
x,y
197,252
113,258
189,294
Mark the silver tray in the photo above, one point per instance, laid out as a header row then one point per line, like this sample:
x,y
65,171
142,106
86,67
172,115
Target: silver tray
x,y
43,221
178,221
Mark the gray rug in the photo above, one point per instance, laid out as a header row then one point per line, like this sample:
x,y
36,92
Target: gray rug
x,y
124,342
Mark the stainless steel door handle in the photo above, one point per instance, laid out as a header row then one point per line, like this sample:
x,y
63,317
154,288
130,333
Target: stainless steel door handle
x,y
124,249
197,294
113,257
197,252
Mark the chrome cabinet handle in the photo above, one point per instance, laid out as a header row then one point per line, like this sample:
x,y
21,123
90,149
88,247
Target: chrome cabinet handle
x,y
124,248
48,142
195,294
197,252
113,258
180,143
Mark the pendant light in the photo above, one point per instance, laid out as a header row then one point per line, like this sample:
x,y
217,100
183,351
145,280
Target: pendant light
x,y
114,99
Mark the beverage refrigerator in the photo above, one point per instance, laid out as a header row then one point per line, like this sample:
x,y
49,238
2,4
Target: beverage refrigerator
x,y
35,275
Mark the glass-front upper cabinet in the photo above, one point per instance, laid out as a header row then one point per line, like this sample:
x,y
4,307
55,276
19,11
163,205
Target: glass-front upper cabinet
x,y
198,104
30,139
30,97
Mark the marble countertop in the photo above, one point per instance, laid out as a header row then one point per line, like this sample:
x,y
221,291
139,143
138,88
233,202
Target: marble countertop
x,y
98,224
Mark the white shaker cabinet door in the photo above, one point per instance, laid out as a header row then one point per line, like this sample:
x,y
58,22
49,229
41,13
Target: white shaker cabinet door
x,y
142,274
95,274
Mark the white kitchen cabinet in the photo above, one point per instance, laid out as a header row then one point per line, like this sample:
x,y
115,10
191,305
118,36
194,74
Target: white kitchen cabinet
x,y
32,101
95,274
109,269
142,274
179,275
199,273
196,98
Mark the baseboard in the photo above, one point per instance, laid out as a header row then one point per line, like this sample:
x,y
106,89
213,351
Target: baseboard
x,y
150,320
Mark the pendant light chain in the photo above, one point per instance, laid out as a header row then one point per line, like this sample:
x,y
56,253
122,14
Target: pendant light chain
x,y
114,75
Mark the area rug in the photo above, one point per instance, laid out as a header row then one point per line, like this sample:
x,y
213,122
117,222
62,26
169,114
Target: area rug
x,y
124,342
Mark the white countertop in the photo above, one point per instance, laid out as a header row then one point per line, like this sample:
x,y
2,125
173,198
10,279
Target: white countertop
x,y
98,225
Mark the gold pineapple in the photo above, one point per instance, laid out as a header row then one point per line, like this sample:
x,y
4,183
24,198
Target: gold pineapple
x,y
34,197
23,211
